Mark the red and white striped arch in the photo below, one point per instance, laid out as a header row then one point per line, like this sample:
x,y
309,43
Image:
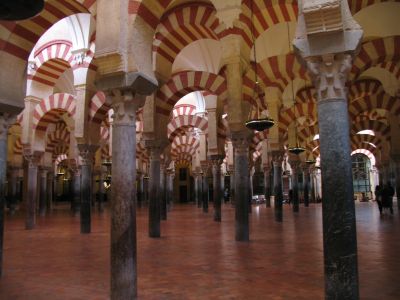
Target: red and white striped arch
x,y
369,103
180,27
186,121
50,109
392,67
275,71
60,158
363,88
19,38
375,52
266,14
286,117
366,152
98,107
183,110
358,139
186,82
378,127
59,136
51,60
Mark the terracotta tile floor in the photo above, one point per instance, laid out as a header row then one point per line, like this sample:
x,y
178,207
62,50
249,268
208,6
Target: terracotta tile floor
x,y
197,258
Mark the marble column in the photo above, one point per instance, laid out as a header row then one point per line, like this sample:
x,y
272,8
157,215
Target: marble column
x,y
216,162
170,198
154,195
294,164
49,198
312,185
163,199
204,189
277,157
33,161
241,163
306,184
123,195
86,153
339,226
43,191
250,197
267,186
396,161
76,187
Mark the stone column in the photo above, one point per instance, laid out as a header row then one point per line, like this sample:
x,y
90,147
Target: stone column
x,y
154,195
216,162
43,191
277,157
141,189
86,153
102,190
267,186
251,177
123,195
76,185
396,160
241,150
197,183
204,189
33,161
312,184
49,198
306,184
5,122
339,226
232,184
294,164
13,192
163,200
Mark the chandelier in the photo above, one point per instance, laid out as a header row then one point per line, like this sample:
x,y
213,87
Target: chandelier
x,y
15,10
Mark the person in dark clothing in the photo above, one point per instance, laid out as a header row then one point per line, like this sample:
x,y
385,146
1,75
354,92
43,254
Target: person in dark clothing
x,y
387,197
378,197
290,196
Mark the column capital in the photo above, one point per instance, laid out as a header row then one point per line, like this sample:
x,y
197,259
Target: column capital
x,y
6,120
125,102
329,74
277,156
86,152
240,142
204,165
216,159
33,157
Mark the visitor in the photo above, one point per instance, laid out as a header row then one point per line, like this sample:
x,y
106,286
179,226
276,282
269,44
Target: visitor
x,y
378,197
387,197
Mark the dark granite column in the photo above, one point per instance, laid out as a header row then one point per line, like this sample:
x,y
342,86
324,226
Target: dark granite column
x,y
140,189
49,198
43,191
170,198
204,189
250,197
306,184
267,186
216,162
86,153
154,193
312,184
4,123
294,164
197,194
396,163
123,196
163,199
232,184
277,157
102,190
76,187
33,161
241,157
13,189
339,226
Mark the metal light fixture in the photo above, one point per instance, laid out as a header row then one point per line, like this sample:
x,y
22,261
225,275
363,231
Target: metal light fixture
x,y
15,10
259,124
106,163
297,149
310,161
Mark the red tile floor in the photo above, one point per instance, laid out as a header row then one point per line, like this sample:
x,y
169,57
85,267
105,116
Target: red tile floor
x,y
197,258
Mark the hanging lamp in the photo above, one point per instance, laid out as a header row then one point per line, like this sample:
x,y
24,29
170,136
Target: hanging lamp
x,y
259,124
16,10
297,149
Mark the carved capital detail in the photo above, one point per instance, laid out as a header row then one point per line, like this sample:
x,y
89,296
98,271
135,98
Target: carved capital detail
x,y
6,120
125,103
277,157
86,152
329,74
240,144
